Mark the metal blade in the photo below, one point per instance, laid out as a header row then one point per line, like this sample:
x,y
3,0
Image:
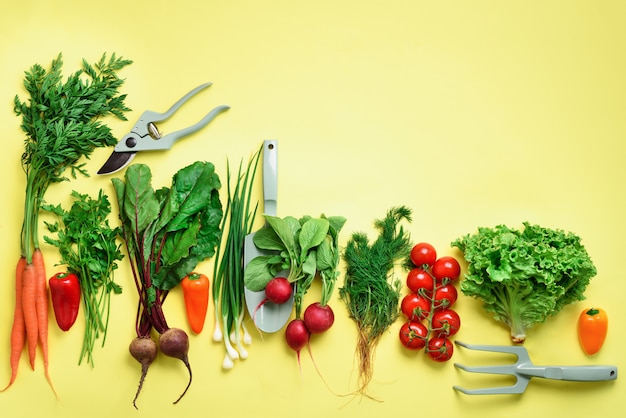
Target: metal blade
x,y
116,162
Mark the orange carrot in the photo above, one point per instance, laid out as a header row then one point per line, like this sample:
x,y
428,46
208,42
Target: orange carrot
x,y
41,304
18,337
29,294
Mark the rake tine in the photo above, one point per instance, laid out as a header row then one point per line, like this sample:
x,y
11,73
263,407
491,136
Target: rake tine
x,y
500,390
519,351
504,369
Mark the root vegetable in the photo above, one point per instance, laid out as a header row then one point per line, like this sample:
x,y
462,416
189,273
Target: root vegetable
x,y
18,331
29,291
144,350
278,291
167,233
175,343
297,336
318,318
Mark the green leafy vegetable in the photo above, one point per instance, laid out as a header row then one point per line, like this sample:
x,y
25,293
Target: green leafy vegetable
x,y
371,292
524,276
63,123
168,231
88,247
327,257
295,245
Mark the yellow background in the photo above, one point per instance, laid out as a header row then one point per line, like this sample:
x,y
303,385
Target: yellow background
x,y
472,113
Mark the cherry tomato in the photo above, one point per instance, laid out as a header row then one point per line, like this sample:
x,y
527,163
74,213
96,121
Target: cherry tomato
x,y
415,307
445,296
446,268
445,323
413,335
423,254
440,349
418,279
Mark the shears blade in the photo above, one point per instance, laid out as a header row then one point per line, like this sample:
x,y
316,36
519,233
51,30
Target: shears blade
x,y
116,162
145,135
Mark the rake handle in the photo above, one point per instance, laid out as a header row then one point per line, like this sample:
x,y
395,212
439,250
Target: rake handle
x,y
571,373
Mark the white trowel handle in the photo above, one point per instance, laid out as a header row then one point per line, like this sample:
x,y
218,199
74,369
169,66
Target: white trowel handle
x,y
270,176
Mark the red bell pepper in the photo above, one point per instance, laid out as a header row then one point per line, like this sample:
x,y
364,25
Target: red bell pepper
x,y
65,295
196,294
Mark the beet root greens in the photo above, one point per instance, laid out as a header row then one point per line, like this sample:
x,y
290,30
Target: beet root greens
x,y
167,232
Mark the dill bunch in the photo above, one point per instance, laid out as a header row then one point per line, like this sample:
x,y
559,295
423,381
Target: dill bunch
x,y
371,292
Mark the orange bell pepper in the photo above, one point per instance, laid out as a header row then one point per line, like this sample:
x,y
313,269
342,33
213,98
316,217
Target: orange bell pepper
x,y
592,328
196,294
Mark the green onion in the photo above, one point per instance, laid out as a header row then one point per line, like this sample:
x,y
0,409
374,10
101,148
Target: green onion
x,y
228,282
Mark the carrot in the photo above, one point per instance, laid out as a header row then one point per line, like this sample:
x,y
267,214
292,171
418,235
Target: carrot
x,y
17,331
49,151
41,307
29,295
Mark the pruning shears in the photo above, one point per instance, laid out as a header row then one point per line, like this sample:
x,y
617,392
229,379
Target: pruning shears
x,y
145,135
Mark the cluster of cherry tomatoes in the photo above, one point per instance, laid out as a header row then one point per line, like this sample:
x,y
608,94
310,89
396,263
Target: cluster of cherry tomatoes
x,y
430,320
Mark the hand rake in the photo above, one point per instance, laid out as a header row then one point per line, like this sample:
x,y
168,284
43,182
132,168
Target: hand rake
x,y
524,370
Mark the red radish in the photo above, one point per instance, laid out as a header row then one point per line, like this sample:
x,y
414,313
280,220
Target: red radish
x,y
278,291
174,342
144,350
318,318
297,336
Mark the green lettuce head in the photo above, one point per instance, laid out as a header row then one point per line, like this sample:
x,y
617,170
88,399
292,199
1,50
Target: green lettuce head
x,y
524,276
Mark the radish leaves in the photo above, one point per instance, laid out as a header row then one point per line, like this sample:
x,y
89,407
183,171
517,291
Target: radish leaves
x,y
303,246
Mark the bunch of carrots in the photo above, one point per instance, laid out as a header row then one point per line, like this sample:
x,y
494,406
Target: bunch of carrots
x,y
61,123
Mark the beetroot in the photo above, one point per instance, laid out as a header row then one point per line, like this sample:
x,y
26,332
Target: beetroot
x,y
144,350
174,342
318,318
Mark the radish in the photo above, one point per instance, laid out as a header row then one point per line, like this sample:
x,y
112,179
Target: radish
x,y
297,336
174,342
278,291
318,318
144,350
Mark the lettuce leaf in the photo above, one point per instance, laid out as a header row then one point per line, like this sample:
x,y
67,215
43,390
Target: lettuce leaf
x,y
524,276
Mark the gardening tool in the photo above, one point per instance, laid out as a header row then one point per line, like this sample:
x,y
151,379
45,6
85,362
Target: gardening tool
x,y
270,317
524,370
145,135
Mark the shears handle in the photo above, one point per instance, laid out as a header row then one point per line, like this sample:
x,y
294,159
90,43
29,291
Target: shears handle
x,y
146,137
